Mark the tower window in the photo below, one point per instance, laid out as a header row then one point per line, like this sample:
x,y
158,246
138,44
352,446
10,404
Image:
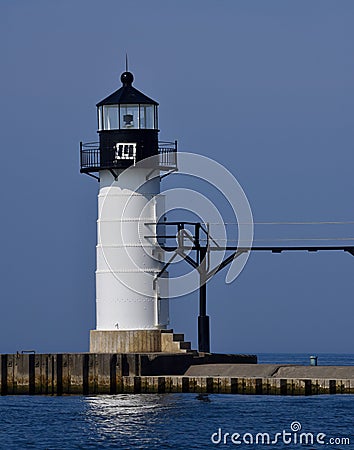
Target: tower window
x,y
125,151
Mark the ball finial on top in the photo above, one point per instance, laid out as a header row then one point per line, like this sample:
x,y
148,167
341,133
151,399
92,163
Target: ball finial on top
x,y
127,78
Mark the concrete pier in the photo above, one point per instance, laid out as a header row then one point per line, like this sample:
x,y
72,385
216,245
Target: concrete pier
x,y
91,374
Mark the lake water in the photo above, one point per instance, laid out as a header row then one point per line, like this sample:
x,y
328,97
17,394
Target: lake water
x,y
180,421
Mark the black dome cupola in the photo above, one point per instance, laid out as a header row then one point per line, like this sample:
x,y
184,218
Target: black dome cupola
x,y
127,94
127,108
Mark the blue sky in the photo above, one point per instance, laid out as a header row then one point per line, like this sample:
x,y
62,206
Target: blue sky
x,y
280,74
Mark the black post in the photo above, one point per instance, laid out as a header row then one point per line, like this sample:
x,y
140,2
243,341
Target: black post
x,y
203,319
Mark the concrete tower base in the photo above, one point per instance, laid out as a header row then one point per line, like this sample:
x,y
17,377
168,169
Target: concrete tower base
x,y
137,341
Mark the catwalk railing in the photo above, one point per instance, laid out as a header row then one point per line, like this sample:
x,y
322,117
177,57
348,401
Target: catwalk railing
x,y
90,156
193,242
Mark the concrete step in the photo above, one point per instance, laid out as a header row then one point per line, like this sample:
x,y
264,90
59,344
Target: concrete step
x,y
178,337
175,342
185,345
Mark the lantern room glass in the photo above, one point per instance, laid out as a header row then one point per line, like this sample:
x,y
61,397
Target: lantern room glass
x,y
127,116
110,117
147,116
100,117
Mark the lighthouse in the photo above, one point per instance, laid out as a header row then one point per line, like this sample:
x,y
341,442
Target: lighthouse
x,y
132,306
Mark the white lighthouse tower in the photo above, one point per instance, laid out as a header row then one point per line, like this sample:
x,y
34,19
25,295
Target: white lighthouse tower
x,y
131,307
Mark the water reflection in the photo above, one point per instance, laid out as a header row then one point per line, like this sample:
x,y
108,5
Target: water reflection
x,y
130,419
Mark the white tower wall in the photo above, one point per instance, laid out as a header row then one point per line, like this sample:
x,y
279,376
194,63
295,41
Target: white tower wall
x,y
126,297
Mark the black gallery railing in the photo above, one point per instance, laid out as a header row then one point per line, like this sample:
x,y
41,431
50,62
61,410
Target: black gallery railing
x,y
90,156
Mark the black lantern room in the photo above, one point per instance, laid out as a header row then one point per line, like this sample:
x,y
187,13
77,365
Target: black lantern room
x,y
128,132
127,125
